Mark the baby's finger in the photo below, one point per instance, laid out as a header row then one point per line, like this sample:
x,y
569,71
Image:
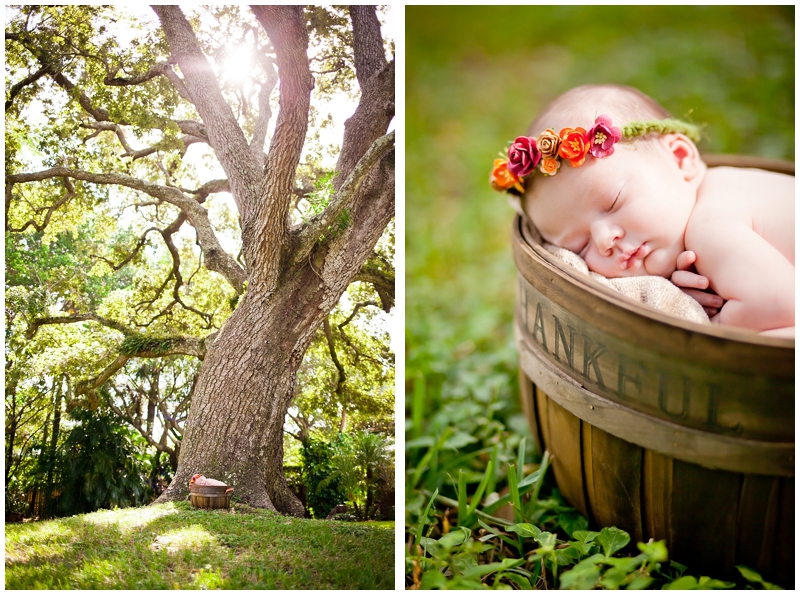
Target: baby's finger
x,y
711,311
686,279
686,259
707,300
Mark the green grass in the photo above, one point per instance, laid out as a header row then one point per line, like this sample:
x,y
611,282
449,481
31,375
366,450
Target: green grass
x,y
173,546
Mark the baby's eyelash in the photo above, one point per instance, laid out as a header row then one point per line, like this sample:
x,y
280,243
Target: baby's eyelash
x,y
612,204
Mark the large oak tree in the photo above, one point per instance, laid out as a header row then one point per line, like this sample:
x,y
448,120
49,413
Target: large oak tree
x,y
168,93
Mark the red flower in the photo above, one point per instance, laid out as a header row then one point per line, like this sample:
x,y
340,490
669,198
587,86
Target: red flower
x,y
574,145
523,156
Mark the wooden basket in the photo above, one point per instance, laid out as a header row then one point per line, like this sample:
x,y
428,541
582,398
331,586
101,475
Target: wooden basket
x,y
209,496
661,427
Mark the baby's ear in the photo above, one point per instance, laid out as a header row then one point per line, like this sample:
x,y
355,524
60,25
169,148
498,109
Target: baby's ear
x,y
686,155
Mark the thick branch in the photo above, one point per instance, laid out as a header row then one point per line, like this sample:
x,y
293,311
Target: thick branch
x,y
318,226
216,258
157,70
326,323
376,272
112,324
263,241
368,51
92,384
134,153
224,134
31,78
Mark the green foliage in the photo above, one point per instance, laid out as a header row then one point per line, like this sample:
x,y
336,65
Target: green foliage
x,y
136,344
360,465
174,546
317,467
547,547
752,576
102,465
320,198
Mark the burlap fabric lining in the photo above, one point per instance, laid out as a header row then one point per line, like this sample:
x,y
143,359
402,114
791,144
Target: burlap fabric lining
x,y
656,292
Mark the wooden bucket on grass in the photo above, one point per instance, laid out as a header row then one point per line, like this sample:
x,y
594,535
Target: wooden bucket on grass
x,y
209,496
664,428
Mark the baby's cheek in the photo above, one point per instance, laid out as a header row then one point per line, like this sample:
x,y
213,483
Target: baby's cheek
x,y
661,264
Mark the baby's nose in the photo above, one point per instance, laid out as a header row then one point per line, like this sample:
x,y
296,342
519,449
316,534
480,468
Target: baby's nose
x,y
606,237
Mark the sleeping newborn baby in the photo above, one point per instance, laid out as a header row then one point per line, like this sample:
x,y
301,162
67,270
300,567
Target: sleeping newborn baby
x,y
639,200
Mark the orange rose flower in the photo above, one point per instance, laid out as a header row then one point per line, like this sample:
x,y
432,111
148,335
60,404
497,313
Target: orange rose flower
x,y
547,143
501,179
574,145
549,166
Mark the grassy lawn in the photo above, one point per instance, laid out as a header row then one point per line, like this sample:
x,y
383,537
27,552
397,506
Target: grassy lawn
x,y
173,546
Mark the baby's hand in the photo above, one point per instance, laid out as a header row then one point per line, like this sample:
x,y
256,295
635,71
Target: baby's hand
x,y
694,284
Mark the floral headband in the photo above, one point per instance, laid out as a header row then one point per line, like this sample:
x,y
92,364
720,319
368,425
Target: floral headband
x,y
572,144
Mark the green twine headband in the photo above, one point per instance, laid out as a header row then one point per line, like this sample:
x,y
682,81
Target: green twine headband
x,y
573,145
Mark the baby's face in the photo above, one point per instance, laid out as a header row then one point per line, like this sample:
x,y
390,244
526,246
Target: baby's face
x,y
625,214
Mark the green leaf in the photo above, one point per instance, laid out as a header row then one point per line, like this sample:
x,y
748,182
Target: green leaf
x,y
706,582
583,575
581,548
585,536
546,539
430,545
427,441
612,540
656,551
571,522
640,582
567,556
476,497
424,516
521,581
459,440
484,569
454,538
754,577
524,529
613,578
685,582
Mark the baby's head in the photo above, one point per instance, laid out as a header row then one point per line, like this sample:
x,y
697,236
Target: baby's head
x,y
622,183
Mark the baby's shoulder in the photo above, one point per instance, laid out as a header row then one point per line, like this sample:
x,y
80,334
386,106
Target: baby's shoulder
x,y
744,182
732,192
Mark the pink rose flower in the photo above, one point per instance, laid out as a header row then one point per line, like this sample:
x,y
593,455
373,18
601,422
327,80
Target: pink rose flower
x,y
602,137
523,156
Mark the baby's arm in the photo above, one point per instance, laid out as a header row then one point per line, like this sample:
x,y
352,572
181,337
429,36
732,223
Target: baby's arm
x,y
694,285
752,275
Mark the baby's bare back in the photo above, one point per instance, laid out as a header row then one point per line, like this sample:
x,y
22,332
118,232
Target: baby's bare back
x,y
742,230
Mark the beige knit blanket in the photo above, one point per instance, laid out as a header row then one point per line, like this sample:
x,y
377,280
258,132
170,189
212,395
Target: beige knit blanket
x,y
656,292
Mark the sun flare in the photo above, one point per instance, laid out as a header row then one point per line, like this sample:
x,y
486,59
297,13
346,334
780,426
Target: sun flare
x,y
237,66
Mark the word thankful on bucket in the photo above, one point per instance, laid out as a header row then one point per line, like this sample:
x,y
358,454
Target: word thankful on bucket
x,y
610,363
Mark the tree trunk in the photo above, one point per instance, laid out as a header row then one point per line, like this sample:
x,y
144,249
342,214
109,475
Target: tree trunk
x,y
48,490
234,432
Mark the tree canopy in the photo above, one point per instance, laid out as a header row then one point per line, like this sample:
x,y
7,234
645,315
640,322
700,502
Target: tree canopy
x,y
164,171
